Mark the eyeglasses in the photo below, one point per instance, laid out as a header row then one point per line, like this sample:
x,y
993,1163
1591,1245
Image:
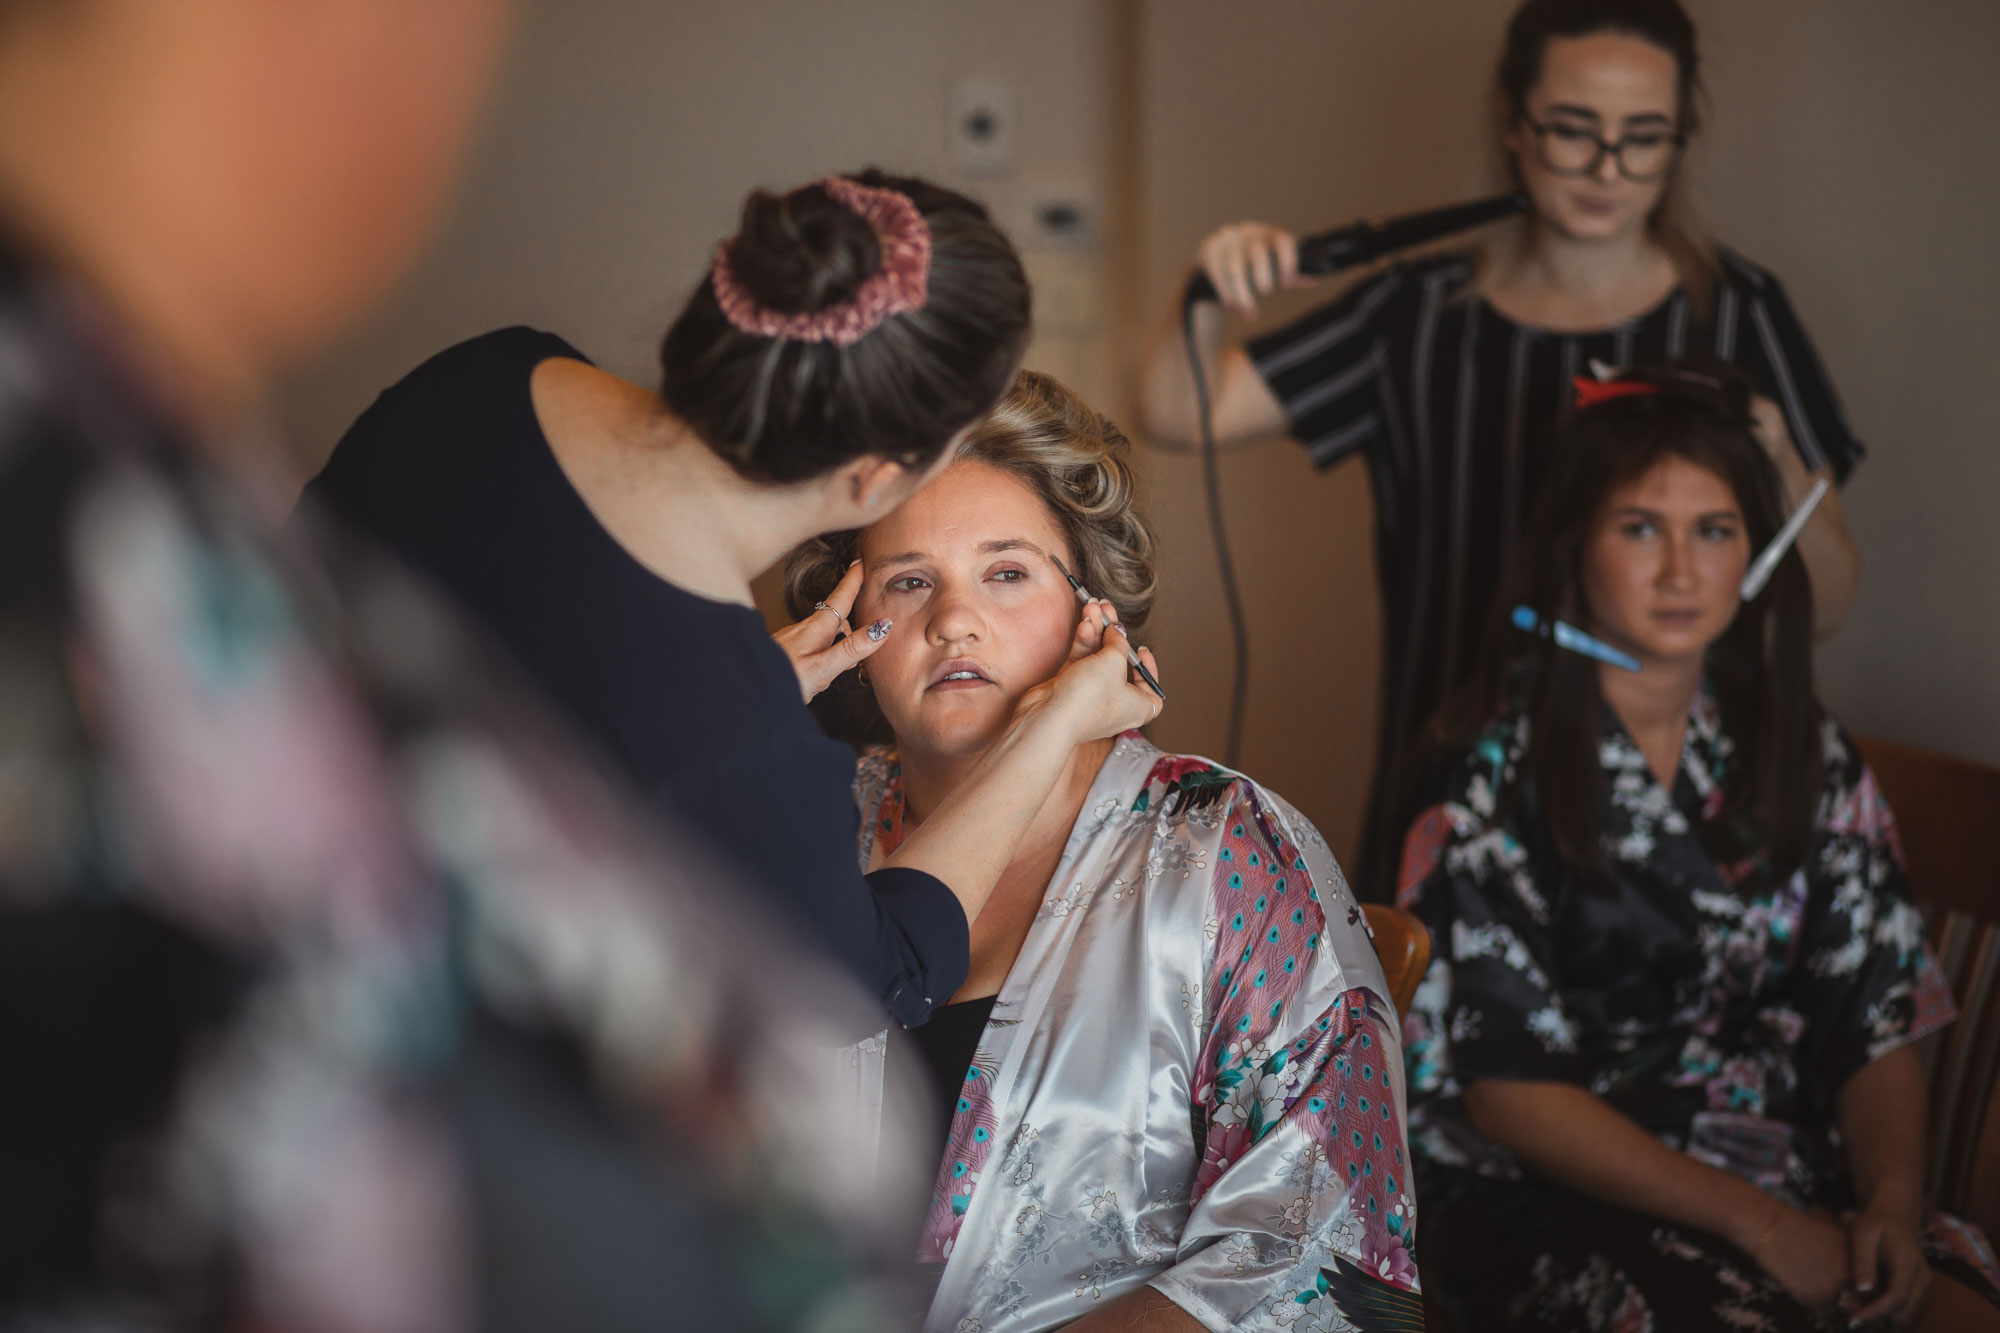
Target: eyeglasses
x,y
1570,150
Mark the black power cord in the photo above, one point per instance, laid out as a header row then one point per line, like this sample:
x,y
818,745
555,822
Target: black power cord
x,y
1225,564
1328,252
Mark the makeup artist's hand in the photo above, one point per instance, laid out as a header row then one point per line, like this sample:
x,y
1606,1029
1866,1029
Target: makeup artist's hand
x,y
823,644
1097,694
1246,260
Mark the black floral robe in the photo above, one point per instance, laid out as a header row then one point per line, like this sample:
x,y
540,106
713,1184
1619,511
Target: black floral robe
x,y
1720,1007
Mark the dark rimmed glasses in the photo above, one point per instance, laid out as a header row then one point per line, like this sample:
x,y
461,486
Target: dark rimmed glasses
x,y
1571,150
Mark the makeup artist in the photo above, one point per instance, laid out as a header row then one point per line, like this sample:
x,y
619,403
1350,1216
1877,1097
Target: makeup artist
x,y
1448,372
607,535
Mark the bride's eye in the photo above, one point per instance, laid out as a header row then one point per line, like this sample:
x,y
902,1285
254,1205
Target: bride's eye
x,y
907,583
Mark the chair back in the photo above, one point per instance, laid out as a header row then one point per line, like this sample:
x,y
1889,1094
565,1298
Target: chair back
x,y
1947,810
1404,945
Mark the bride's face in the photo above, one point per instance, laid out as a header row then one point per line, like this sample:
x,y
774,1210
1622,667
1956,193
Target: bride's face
x,y
981,612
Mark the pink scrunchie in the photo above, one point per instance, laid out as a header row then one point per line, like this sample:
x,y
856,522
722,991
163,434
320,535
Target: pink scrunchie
x,y
901,283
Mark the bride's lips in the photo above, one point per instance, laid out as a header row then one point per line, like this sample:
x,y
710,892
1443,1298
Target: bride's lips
x,y
941,679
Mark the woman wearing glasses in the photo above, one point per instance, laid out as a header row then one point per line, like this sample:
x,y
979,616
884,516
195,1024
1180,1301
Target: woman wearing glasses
x,y
1448,371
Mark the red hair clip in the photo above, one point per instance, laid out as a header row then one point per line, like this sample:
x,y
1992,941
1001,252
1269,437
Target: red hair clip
x,y
1591,392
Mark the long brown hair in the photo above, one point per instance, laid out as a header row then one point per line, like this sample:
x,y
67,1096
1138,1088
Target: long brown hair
x,y
1676,223
1761,667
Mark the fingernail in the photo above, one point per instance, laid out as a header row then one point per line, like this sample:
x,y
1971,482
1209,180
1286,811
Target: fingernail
x,y
855,561
879,630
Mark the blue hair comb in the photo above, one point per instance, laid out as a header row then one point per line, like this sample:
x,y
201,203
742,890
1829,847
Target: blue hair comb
x,y
1570,637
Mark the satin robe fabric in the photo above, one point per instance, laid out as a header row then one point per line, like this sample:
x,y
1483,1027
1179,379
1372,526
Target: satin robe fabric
x,y
1192,1076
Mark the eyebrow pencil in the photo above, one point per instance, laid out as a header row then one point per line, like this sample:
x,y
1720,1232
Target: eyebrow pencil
x,y
1130,656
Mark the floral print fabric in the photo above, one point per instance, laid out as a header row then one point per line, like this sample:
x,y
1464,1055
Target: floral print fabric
x,y
1720,1006
1191,1078
466,970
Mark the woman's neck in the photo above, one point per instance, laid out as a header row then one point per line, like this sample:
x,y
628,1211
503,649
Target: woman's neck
x,y
1653,706
662,494
929,779
1558,282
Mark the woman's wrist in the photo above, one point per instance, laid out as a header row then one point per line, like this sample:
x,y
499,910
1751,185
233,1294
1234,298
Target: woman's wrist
x,y
1755,1247
1751,1216
1044,721
1899,1196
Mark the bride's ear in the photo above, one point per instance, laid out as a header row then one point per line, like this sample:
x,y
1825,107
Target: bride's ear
x,y
873,485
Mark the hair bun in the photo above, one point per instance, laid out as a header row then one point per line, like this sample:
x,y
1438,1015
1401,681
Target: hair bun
x,y
803,251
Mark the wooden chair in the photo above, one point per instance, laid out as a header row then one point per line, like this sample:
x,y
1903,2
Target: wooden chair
x,y
1947,812
1404,946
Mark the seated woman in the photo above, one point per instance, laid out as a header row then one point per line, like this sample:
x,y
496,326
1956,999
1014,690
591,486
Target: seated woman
x,y
1661,1062
1172,1077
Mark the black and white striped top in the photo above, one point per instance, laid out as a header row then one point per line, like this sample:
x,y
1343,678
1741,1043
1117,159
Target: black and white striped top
x,y
1452,404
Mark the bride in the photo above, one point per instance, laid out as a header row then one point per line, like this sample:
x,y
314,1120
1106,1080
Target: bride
x,y
1171,1086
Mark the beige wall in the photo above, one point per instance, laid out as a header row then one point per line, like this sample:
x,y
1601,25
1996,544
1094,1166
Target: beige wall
x,y
628,131
1852,150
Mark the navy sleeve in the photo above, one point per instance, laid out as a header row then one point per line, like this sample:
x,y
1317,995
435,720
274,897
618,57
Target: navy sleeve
x,y
924,945
783,809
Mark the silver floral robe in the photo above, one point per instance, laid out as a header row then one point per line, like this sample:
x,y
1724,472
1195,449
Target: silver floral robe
x,y
1192,1076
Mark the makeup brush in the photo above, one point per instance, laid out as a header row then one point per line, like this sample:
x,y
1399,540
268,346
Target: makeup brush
x,y
1570,637
1130,656
1766,564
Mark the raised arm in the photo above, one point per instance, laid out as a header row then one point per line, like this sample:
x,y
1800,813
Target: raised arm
x,y
1245,260
1832,559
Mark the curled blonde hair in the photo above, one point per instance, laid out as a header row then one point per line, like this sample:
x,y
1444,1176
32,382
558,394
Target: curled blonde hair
x,y
1072,457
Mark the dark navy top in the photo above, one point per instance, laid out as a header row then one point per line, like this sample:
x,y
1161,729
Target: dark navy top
x,y
691,697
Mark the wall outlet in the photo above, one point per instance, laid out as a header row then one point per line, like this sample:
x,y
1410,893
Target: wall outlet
x,y
984,126
1058,215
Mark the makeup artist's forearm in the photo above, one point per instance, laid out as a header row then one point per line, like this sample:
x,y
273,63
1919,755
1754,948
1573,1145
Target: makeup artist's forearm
x,y
1881,1115
1141,1311
1578,1140
969,839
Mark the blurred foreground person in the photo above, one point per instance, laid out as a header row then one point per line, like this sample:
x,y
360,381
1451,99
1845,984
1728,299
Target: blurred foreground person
x,y
334,993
